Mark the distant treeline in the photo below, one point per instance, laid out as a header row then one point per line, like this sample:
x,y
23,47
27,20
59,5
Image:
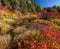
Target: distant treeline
x,y
26,6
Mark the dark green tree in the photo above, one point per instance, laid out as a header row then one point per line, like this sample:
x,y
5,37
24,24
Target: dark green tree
x,y
58,8
3,2
49,9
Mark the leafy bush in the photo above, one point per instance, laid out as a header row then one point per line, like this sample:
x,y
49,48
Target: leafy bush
x,y
6,28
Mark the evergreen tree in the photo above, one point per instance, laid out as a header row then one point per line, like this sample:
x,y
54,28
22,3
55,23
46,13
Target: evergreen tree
x,y
3,2
21,5
58,8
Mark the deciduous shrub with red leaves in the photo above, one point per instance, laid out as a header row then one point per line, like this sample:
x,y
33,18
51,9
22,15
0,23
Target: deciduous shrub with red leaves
x,y
45,40
51,14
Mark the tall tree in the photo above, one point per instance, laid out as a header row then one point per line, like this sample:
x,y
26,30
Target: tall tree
x,y
58,8
3,2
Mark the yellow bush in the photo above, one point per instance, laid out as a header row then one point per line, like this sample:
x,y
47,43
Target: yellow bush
x,y
5,29
14,15
7,15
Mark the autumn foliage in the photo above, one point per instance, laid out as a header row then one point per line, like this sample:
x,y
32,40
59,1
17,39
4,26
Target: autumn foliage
x,y
29,26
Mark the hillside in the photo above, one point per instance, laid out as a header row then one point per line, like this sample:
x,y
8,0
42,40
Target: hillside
x,y
25,25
